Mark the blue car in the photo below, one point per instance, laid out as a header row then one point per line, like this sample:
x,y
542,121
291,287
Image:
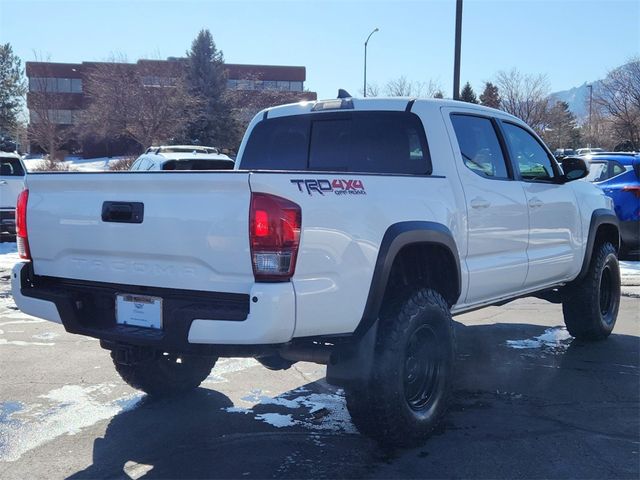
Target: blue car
x,y
619,176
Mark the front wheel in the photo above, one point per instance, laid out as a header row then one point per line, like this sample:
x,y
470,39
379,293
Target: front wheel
x,y
590,306
165,374
407,394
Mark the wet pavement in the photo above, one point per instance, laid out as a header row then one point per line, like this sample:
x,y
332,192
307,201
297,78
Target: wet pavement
x,y
529,402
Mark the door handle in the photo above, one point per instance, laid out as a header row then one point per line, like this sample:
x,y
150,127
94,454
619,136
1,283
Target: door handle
x,y
535,202
479,202
3,182
123,212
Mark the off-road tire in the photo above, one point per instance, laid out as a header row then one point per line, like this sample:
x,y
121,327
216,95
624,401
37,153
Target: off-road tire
x,y
590,305
166,375
383,407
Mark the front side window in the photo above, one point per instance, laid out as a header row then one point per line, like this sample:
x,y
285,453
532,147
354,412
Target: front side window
x,y
368,142
479,146
529,156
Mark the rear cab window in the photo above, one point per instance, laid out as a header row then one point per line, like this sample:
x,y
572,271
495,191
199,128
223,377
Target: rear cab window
x,y
11,167
366,142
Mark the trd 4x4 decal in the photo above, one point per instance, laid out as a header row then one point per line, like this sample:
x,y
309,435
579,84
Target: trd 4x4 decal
x,y
337,186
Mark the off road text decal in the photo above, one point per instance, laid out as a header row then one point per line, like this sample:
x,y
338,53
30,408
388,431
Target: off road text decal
x,y
337,186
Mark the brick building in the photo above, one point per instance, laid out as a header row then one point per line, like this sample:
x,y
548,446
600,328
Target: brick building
x,y
63,82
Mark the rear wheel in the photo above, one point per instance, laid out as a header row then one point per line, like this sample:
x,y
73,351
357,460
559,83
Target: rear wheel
x,y
590,306
164,374
407,394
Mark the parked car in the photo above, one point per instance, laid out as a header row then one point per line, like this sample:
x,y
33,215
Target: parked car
x,y
12,173
560,153
347,235
585,151
619,177
182,157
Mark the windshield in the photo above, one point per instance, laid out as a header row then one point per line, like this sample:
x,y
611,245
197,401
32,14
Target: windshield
x,y
198,164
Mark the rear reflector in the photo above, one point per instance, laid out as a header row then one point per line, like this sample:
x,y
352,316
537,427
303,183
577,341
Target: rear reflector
x,y
274,231
21,226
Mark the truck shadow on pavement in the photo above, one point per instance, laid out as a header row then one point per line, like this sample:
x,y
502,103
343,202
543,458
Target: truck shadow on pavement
x,y
529,402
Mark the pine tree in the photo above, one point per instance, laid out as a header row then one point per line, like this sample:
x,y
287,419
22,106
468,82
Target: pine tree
x,y
467,94
561,130
12,90
206,77
490,97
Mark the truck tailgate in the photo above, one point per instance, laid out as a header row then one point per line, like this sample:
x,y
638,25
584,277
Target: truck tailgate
x,y
193,234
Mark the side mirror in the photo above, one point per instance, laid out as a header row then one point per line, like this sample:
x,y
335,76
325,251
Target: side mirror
x,y
574,168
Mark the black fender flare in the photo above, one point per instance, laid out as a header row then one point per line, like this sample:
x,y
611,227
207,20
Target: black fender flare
x,y
599,217
398,236
350,363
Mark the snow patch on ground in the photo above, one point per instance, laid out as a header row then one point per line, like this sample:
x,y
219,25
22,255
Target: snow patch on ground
x,y
313,411
77,164
63,411
276,419
630,273
555,340
8,255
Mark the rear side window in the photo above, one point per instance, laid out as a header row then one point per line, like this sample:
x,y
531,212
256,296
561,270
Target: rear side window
x,y
617,169
10,167
369,142
479,146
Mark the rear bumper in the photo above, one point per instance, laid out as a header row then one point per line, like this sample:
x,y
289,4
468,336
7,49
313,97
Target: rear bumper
x,y
193,322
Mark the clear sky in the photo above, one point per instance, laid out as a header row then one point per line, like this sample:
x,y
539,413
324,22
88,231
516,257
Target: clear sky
x,y
571,41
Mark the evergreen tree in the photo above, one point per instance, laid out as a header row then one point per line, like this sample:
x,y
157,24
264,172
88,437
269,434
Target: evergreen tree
x,y
12,90
490,97
207,80
467,94
438,94
561,130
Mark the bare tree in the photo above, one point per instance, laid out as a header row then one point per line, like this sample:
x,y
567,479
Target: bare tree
x,y
51,122
245,102
401,87
618,97
525,96
144,102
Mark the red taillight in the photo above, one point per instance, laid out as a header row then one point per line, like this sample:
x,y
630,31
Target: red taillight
x,y
632,188
21,225
274,231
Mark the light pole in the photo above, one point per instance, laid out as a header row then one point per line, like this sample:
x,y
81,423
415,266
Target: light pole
x,y
365,60
456,55
590,87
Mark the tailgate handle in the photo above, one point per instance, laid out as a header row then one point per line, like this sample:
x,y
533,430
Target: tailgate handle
x,y
123,212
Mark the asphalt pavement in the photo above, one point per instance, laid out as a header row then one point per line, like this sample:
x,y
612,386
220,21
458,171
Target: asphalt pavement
x,y
529,402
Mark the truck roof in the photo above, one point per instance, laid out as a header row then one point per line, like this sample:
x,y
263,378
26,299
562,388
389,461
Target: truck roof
x,y
377,103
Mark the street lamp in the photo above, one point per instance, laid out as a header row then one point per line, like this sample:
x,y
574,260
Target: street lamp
x,y
365,60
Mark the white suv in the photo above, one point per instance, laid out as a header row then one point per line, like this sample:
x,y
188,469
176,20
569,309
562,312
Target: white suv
x,y
182,157
12,172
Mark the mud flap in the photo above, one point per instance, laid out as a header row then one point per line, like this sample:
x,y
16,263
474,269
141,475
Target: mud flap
x,y
351,364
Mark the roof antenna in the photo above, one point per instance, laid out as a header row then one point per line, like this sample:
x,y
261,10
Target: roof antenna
x,y
342,93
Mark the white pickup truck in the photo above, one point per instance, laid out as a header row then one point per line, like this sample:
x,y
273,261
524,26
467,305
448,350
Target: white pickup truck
x,y
349,233
12,173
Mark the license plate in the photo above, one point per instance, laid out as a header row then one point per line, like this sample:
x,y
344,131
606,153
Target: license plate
x,y
139,310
